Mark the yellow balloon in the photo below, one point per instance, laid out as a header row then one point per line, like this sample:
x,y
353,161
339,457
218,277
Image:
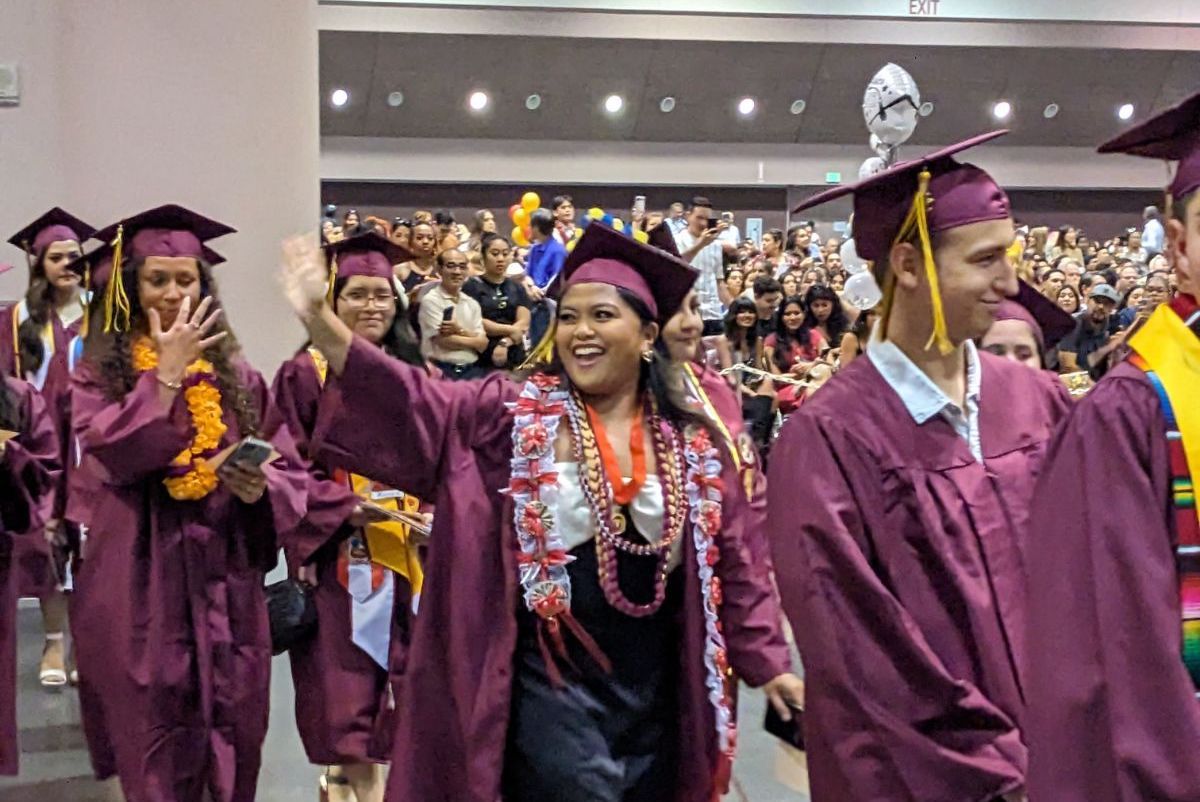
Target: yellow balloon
x,y
618,224
519,237
641,236
521,217
596,213
530,201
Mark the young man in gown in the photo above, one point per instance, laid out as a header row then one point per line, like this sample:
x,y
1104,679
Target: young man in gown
x,y
898,500
1113,629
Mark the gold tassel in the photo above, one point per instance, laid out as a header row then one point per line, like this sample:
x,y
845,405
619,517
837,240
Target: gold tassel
x,y
116,301
543,352
917,222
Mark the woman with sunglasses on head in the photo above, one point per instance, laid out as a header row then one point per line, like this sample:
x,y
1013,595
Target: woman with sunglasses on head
x,y
619,538
170,625
36,339
343,699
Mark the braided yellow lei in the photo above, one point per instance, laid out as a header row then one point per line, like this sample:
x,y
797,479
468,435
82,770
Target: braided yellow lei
x,y
190,478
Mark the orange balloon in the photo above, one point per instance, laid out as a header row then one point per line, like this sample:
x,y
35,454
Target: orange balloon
x,y
530,201
512,211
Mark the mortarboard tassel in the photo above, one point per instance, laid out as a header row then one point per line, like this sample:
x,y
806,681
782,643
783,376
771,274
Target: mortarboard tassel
x,y
116,301
85,299
332,278
917,222
543,352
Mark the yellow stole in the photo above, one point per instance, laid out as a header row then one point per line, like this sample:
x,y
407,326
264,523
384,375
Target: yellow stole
x,y
389,543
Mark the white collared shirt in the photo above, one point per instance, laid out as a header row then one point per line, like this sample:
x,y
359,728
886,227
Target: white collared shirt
x,y
923,399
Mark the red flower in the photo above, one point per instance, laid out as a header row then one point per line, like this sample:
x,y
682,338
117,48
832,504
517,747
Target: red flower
x,y
535,519
532,484
537,406
722,661
713,555
532,439
699,441
718,594
549,600
544,382
710,518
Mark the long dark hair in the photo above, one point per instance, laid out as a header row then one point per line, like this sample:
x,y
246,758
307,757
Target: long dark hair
x,y
10,408
732,330
660,377
39,304
786,339
109,354
836,324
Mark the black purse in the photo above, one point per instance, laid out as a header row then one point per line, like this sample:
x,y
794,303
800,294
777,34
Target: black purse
x,y
292,614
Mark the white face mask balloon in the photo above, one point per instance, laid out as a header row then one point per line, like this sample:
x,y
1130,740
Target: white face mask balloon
x,y
870,167
862,292
852,263
890,105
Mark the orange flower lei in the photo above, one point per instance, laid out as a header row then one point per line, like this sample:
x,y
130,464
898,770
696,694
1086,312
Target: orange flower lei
x,y
190,478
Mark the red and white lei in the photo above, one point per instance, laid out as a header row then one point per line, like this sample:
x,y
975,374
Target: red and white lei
x,y
543,558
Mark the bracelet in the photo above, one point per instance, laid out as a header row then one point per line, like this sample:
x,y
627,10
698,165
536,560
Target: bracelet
x,y
175,385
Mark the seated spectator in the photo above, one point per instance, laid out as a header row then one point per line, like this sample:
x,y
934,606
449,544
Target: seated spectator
x,y
350,223
773,252
823,313
483,223
790,283
837,282
1067,244
504,306
732,285
767,294
401,232
812,277
1130,306
423,247
1096,335
1127,277
854,342
1072,269
1155,292
1053,281
792,347
378,225
1134,250
1068,299
451,322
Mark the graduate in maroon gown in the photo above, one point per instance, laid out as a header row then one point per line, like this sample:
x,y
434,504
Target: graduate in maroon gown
x,y
171,630
38,343
897,503
576,630
1114,635
343,705
28,475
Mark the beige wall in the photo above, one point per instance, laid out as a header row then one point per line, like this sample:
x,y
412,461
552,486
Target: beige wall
x,y
209,104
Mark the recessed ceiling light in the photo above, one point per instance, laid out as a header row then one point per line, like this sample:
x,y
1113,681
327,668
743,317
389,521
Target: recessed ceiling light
x,y
395,99
666,105
1002,110
478,101
1125,112
746,106
533,102
1051,111
614,103
926,109
339,97
798,106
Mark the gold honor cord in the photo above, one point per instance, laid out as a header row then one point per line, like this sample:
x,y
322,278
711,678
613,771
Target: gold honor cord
x,y
917,222
116,301
85,300
332,278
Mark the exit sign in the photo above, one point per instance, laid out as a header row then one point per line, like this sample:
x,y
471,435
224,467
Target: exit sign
x,y
833,178
923,8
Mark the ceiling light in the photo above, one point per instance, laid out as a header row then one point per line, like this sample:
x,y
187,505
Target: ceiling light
x,y
339,97
798,106
667,105
1125,112
926,109
479,101
614,103
746,106
395,99
1051,111
1002,110
533,102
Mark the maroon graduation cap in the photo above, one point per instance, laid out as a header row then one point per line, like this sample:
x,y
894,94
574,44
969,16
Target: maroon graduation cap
x,y
55,225
1173,135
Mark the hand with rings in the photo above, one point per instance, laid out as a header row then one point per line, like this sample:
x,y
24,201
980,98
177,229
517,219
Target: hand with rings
x,y
187,338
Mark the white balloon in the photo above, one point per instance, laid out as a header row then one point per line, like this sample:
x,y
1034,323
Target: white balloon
x,y
890,105
871,167
852,263
862,292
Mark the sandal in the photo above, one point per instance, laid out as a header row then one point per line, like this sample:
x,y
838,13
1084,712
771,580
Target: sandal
x,y
51,676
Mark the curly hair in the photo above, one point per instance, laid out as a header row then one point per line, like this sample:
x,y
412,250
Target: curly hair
x,y
110,353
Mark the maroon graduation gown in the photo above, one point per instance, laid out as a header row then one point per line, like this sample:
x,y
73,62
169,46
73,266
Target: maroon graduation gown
x,y
900,563
36,574
451,442
171,630
1112,712
342,700
28,474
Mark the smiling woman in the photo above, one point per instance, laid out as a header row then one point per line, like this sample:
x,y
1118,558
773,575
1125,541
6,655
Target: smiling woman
x,y
595,494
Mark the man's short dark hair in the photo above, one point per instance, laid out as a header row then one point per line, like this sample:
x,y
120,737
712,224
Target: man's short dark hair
x,y
701,202
559,200
765,285
443,217
542,221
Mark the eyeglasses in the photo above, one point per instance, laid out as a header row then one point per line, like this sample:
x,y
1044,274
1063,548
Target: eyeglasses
x,y
362,299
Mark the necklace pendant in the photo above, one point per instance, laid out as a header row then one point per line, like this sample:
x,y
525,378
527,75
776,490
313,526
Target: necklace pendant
x,y
619,522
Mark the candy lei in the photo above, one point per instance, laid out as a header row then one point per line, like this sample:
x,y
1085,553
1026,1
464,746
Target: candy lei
x,y
189,477
542,558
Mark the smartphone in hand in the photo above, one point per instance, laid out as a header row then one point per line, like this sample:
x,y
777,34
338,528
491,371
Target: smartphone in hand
x,y
790,732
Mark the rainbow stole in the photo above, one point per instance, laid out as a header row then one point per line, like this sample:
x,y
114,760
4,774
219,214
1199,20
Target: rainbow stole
x,y
1169,353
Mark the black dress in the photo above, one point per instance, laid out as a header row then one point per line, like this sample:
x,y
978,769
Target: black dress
x,y
499,304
